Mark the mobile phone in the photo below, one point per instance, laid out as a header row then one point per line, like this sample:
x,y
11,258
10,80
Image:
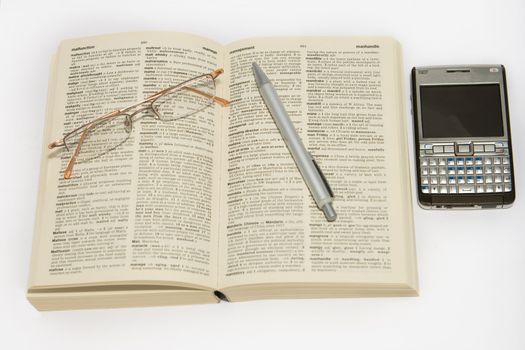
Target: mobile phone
x,y
462,137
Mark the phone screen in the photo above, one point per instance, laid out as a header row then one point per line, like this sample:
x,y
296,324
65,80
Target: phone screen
x,y
449,111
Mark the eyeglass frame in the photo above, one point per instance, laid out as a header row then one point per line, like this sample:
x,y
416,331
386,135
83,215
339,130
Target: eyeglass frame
x,y
148,105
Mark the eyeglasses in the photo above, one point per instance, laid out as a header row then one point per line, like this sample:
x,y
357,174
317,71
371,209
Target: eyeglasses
x,y
109,131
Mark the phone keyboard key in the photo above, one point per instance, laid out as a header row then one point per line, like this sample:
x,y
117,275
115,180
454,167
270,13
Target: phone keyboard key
x,y
466,189
478,148
448,149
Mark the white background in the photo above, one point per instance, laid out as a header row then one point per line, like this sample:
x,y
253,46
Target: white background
x,y
471,263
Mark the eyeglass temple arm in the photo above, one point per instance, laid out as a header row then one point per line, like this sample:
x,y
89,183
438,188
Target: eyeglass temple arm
x,y
61,142
56,143
223,102
69,169
216,73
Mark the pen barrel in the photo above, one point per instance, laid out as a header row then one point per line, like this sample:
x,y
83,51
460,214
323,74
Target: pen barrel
x,y
311,175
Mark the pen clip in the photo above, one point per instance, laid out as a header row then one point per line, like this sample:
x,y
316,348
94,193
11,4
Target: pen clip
x,y
322,177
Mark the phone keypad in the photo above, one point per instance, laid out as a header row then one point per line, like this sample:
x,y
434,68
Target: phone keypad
x,y
465,175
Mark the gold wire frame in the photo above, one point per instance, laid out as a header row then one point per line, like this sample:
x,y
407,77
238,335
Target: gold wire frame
x,y
146,104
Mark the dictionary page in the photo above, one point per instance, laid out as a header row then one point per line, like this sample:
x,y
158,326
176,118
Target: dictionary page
x,y
145,212
345,98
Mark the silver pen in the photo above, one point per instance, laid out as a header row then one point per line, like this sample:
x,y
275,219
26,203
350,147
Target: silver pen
x,y
311,173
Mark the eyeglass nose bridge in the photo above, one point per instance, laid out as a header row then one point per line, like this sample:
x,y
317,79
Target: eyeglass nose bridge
x,y
154,109
151,108
128,124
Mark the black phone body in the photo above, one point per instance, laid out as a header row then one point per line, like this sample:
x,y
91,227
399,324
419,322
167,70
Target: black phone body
x,y
462,137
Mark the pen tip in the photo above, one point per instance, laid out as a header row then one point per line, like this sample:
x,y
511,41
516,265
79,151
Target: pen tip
x,y
260,77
